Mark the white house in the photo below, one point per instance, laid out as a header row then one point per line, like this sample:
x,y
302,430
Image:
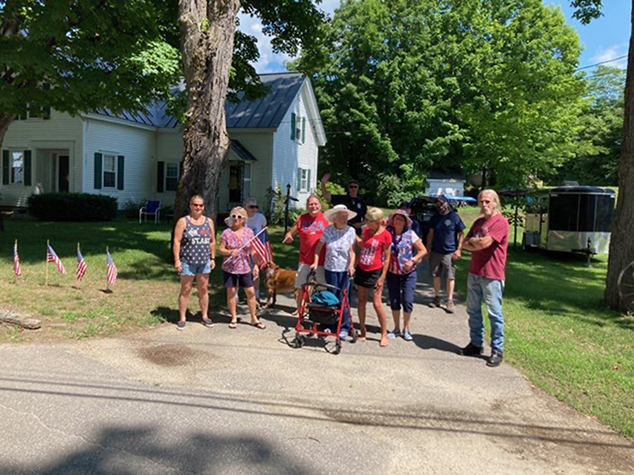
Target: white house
x,y
441,184
134,157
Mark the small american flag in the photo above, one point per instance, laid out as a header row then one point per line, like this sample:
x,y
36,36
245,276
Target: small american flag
x,y
262,247
111,275
17,270
52,257
82,267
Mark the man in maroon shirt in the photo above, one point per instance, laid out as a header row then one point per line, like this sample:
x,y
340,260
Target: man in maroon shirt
x,y
488,241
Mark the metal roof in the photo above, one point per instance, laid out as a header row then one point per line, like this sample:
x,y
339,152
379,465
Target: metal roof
x,y
242,152
265,112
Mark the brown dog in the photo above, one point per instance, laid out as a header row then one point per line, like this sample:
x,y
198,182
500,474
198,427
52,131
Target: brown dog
x,y
278,280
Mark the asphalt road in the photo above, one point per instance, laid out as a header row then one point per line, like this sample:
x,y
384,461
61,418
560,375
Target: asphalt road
x,y
216,400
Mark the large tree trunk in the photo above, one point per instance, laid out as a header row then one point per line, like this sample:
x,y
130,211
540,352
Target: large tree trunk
x,y
207,30
622,241
5,122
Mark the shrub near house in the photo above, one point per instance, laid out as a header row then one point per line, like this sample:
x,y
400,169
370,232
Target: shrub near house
x,y
72,207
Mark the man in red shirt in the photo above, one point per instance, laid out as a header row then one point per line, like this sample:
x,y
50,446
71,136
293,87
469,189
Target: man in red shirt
x,y
488,242
310,227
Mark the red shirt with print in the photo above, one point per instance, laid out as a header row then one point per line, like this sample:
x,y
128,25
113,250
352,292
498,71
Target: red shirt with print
x,y
310,231
490,262
372,253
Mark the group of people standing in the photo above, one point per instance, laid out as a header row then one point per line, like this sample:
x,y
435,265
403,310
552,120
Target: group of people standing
x,y
354,242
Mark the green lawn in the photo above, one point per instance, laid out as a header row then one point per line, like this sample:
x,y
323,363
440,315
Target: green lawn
x,y
557,331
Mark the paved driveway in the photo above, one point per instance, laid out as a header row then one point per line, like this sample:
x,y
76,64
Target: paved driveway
x,y
241,401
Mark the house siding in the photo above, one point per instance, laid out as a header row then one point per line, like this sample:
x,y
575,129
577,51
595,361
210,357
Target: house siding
x,y
290,155
137,145
62,132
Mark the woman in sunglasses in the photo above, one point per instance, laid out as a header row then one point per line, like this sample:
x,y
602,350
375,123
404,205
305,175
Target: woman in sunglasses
x,y
194,257
235,245
256,221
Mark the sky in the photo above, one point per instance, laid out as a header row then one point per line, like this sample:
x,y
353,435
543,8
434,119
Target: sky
x,y
603,39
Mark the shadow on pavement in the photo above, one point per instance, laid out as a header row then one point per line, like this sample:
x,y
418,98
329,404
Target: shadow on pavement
x,y
128,450
428,342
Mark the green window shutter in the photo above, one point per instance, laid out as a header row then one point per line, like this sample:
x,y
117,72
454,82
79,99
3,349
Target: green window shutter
x,y
28,162
293,119
303,129
5,167
120,163
299,179
308,180
98,165
160,176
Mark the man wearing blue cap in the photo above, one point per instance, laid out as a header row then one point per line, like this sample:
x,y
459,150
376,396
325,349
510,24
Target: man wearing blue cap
x,y
444,241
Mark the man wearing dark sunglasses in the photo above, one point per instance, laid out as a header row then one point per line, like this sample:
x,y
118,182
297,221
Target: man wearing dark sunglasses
x,y
352,200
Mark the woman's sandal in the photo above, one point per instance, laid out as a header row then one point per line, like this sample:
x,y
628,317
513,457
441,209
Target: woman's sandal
x,y
233,325
259,325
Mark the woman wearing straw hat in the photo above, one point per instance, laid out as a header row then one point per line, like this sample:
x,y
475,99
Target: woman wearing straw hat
x,y
407,252
339,239
236,266
374,259
194,257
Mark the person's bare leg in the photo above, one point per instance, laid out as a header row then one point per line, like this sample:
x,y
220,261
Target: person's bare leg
x,y
232,293
183,296
250,293
361,301
202,285
406,319
451,283
396,316
437,286
380,313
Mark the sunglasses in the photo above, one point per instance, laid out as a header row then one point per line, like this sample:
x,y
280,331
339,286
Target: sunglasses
x,y
253,206
353,186
237,216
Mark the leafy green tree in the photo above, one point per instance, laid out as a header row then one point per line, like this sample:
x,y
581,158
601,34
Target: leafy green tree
x,y
621,242
84,54
601,131
208,43
471,85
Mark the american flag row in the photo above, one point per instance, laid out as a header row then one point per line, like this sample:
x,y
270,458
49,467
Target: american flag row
x,y
82,267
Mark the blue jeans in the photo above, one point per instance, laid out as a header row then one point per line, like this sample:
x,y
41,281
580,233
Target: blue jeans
x,y
401,290
341,281
489,290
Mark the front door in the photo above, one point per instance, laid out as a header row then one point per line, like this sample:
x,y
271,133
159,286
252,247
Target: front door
x,y
63,170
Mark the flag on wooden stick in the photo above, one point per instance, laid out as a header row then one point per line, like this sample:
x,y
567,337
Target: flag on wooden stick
x,y
82,267
111,274
52,257
17,270
262,247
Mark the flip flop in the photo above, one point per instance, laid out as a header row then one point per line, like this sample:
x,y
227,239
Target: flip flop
x,y
233,325
259,325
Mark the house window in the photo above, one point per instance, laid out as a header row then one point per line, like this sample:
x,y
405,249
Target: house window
x,y
298,129
33,111
109,171
246,179
17,167
171,177
303,179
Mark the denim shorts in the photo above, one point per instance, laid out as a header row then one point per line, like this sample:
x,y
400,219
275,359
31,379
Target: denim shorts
x,y
193,269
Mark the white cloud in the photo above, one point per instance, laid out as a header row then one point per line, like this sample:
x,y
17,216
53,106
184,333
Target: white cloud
x,y
610,53
270,61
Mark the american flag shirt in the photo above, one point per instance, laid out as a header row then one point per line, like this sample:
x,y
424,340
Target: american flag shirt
x,y
402,251
195,244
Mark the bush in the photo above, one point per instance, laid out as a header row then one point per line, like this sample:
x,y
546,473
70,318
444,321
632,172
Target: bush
x,y
72,207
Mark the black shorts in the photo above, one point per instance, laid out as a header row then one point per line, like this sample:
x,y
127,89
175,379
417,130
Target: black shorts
x,y
367,279
237,280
